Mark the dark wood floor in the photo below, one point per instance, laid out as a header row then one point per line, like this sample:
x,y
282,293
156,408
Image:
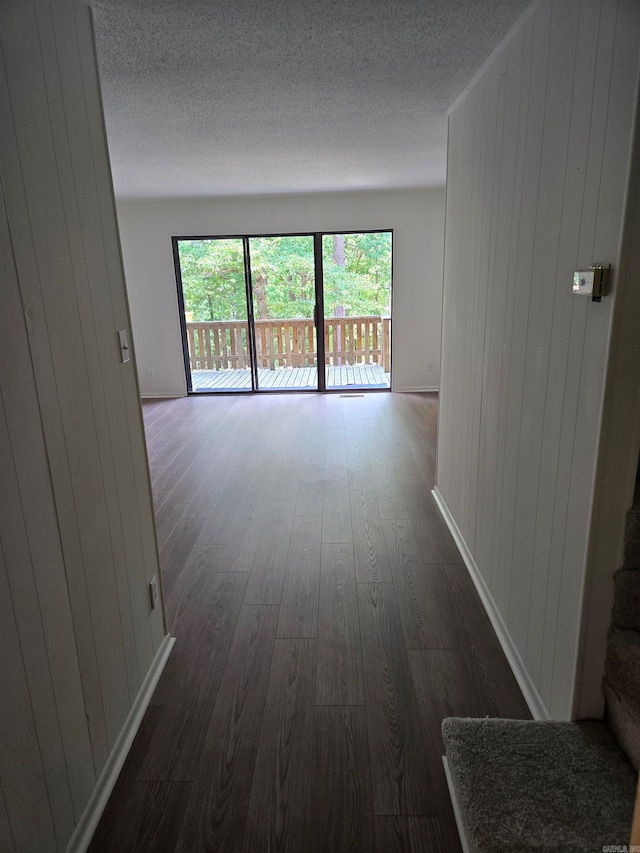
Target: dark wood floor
x,y
325,625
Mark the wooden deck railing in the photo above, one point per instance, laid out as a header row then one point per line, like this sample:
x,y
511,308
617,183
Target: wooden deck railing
x,y
223,344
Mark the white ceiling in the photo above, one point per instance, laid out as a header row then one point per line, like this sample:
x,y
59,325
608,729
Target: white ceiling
x,y
216,97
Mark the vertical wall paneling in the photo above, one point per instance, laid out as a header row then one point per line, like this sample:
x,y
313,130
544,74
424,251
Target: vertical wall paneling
x,y
483,482
517,490
77,536
30,536
41,357
538,153
541,284
21,767
477,218
6,839
616,115
94,308
458,309
136,451
505,461
565,353
520,272
445,428
511,76
49,239
471,305
486,269
92,261
465,310
587,354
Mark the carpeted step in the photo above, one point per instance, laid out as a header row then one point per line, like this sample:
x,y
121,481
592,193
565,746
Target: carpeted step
x,y
539,786
622,664
623,717
632,539
626,602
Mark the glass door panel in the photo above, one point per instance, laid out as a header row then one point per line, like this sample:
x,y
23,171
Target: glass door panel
x,y
357,309
283,293
214,291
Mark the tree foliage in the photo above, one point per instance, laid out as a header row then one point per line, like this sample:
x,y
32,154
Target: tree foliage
x,y
363,284
356,269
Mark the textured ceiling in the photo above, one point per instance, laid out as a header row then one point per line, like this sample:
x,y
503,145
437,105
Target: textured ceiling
x,y
216,97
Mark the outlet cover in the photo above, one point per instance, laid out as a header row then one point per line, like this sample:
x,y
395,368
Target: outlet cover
x,y
124,345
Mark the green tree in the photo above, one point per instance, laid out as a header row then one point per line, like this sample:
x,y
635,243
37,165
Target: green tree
x,y
213,279
357,276
282,273
362,284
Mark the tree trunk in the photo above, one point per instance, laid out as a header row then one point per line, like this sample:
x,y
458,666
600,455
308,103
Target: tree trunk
x,y
340,261
260,295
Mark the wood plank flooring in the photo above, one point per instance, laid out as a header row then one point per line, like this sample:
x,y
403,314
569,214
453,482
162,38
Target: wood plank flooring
x,y
324,626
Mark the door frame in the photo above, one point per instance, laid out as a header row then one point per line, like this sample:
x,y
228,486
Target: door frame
x,y
251,333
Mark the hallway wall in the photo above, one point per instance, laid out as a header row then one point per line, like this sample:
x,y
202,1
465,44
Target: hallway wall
x,y
77,537
538,162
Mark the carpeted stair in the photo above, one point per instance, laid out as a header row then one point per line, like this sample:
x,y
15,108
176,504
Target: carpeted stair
x,y
525,785
621,682
551,787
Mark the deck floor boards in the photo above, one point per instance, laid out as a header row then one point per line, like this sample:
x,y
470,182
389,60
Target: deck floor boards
x,y
325,624
344,376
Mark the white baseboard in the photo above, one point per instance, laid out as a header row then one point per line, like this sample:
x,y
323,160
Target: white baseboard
x,y
88,822
457,813
529,690
161,395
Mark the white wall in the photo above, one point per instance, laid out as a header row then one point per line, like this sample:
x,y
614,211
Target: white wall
x,y
417,217
538,160
77,539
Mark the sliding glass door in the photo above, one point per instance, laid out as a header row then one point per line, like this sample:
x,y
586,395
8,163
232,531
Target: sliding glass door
x,y
260,313
284,299
215,315
356,272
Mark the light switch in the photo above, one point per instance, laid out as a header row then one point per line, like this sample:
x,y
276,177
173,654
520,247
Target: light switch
x,y
124,345
583,282
591,282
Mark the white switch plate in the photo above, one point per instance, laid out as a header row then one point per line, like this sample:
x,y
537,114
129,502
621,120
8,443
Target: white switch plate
x,y
153,591
124,345
583,282
592,282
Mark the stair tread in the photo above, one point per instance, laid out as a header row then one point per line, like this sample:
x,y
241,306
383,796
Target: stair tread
x,y
535,785
626,603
